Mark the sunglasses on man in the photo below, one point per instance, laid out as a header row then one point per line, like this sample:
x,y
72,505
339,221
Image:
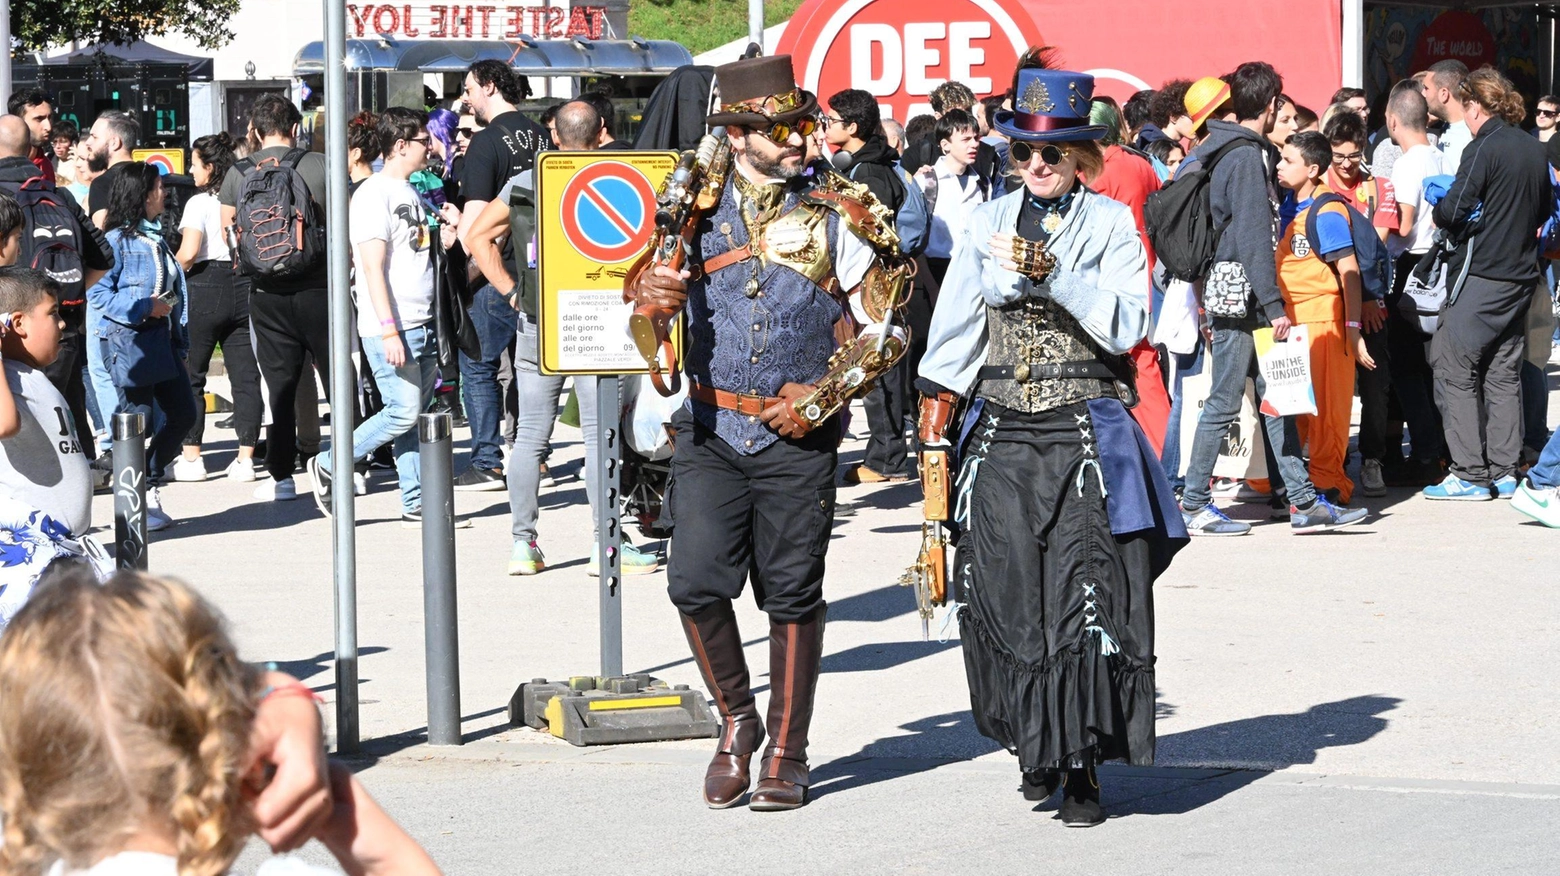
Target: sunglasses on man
x,y
1050,153
779,133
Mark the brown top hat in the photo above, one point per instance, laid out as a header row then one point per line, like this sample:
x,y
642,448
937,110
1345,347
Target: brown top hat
x,y
760,91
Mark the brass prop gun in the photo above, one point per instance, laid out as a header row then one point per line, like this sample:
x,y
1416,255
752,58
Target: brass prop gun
x,y
928,575
691,192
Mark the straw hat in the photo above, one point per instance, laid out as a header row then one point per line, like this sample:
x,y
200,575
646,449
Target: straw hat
x,y
1205,97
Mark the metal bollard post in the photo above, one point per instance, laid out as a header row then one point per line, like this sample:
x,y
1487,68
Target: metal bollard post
x,y
130,490
441,635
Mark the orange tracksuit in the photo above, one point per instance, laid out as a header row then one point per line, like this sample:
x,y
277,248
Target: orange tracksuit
x,y
1312,295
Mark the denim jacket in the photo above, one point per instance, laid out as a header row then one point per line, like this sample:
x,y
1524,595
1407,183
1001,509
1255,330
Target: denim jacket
x,y
1101,278
124,294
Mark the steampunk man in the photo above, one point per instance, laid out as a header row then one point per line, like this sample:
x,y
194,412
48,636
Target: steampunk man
x,y
790,292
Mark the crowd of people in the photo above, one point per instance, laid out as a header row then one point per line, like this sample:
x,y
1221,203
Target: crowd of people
x,y
998,281
1466,389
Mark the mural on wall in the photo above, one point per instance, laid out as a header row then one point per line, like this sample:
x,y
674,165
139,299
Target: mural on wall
x,y
1403,40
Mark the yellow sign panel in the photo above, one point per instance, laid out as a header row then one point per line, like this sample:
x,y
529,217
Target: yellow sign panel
x,y
165,160
595,214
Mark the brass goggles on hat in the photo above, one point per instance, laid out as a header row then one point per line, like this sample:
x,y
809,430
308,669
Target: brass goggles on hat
x,y
1050,153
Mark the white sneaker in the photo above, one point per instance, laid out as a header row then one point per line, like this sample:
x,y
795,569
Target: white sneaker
x,y
283,490
156,518
242,470
359,484
184,469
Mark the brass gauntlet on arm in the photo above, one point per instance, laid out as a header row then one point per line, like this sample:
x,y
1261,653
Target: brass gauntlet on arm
x,y
852,369
1033,259
928,575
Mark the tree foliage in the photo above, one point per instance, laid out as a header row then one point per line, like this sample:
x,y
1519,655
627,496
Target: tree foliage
x,y
701,25
38,24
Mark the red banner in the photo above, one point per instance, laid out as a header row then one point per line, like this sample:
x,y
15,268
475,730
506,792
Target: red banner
x,y
899,50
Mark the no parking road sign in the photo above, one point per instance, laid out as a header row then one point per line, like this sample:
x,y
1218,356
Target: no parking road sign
x,y
595,215
608,211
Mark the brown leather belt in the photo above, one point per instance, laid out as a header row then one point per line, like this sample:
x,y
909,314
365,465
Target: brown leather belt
x,y
742,403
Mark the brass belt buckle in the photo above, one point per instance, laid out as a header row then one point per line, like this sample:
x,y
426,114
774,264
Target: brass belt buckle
x,y
1021,372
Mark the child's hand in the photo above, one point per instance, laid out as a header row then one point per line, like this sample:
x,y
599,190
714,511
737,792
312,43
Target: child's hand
x,y
296,801
1361,353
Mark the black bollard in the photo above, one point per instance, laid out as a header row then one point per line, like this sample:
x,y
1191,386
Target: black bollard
x,y
441,639
130,490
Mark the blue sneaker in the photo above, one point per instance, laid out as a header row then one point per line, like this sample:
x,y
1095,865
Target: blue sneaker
x,y
1456,489
1506,487
632,561
1323,515
1209,520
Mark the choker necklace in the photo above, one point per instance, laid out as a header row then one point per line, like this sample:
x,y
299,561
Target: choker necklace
x,y
1054,210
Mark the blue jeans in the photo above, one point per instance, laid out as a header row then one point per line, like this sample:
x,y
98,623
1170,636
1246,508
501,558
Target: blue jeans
x,y
1547,472
406,392
1235,359
104,392
177,404
496,323
1185,365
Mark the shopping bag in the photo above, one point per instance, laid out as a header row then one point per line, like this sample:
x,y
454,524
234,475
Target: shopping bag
x,y
1241,453
1286,372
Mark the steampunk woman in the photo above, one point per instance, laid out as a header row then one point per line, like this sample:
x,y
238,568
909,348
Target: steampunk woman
x,y
790,295
1065,515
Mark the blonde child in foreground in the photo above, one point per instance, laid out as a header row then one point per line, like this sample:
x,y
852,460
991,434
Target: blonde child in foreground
x,y
127,741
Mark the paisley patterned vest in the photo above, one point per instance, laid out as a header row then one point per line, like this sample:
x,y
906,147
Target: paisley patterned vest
x,y
758,324
1039,331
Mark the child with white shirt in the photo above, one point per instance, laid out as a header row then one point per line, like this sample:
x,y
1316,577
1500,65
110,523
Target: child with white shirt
x,y
126,741
952,186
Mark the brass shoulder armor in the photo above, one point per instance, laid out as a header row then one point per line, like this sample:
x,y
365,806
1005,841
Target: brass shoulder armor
x,y
865,216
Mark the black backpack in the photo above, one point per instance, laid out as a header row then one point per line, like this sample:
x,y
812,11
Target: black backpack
x,y
1179,219
280,231
51,238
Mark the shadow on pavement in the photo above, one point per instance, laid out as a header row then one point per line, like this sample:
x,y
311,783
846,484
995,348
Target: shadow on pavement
x,y
884,603
883,655
373,750
1254,747
323,662
886,759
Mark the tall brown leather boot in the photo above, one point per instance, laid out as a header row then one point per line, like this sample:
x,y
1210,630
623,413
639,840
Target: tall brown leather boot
x,y
716,644
795,654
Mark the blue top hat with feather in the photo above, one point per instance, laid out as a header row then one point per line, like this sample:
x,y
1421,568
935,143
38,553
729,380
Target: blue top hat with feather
x,y
1050,106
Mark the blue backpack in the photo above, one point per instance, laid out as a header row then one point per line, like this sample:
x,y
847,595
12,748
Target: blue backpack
x,y
913,222
1369,251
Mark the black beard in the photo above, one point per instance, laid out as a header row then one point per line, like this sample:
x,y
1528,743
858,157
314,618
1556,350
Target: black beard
x,y
773,168
97,162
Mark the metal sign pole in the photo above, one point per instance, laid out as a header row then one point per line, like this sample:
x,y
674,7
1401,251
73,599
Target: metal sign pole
x,y
756,23
609,533
342,379
5,41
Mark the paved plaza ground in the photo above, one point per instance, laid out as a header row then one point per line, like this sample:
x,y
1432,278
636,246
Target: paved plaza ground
x,y
1381,700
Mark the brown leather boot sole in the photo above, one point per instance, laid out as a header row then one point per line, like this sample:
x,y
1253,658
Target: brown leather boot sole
x,y
727,780
778,795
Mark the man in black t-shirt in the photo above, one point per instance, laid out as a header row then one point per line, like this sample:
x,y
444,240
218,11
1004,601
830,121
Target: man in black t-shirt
x,y
506,147
290,318
108,145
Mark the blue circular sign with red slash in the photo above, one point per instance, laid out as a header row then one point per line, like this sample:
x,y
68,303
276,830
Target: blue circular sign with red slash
x,y
608,212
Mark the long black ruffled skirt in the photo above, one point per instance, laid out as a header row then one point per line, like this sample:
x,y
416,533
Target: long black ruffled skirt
x,y
1058,623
